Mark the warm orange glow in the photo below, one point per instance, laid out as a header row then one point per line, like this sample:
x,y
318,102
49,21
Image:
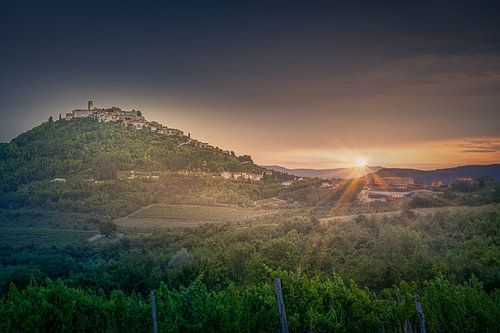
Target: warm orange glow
x,y
362,162
419,154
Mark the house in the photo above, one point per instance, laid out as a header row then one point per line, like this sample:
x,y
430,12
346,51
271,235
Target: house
x,y
237,175
144,175
364,196
254,176
59,180
465,180
326,184
82,113
173,131
138,125
382,196
226,175
244,175
286,183
436,183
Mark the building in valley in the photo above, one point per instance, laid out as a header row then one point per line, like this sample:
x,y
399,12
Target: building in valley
x,y
382,196
437,183
465,179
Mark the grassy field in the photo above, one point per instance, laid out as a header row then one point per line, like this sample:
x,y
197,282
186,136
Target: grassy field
x,y
270,203
169,216
19,237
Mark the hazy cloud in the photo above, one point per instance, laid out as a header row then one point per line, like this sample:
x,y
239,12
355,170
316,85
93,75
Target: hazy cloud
x,y
480,146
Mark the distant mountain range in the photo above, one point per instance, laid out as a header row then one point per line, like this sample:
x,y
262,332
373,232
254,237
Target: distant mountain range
x,y
447,175
344,173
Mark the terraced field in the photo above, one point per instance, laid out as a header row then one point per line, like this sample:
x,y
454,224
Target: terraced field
x,y
170,216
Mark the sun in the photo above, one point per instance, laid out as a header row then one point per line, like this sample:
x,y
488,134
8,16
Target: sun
x,y
362,162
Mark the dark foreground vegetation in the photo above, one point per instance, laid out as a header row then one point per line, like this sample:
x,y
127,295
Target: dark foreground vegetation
x,y
323,305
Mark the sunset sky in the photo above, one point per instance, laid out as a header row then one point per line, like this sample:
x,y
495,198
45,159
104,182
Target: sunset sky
x,y
316,84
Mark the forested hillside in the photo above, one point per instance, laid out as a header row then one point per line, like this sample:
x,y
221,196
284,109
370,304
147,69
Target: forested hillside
x,y
86,148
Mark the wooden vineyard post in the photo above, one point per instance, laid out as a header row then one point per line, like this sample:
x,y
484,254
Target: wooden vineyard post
x,y
420,313
281,305
153,304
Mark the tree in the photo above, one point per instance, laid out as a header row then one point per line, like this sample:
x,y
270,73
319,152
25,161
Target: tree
x,y
107,228
485,180
245,159
106,169
408,214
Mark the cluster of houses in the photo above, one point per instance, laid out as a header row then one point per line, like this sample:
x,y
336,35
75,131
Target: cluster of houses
x,y
133,118
242,175
144,175
389,189
332,184
394,189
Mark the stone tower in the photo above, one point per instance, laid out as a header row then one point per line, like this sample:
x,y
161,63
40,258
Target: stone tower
x,y
91,105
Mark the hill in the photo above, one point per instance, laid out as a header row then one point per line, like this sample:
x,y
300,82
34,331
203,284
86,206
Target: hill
x,y
75,173
447,176
88,148
344,173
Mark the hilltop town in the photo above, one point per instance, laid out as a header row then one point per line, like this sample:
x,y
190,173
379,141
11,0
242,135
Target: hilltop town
x,y
133,119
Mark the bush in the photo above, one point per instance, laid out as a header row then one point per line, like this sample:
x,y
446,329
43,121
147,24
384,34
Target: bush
x,y
107,228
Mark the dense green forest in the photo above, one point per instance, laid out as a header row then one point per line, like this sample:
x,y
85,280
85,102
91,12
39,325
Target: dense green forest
x,y
345,266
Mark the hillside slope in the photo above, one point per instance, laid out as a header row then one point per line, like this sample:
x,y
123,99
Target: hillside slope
x,y
88,148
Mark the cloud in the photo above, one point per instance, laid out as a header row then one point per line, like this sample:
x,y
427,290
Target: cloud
x,y
480,146
478,151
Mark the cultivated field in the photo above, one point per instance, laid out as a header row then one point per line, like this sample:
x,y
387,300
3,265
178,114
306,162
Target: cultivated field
x,y
171,216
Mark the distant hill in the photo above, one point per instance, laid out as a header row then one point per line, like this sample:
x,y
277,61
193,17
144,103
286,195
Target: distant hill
x,y
447,176
345,173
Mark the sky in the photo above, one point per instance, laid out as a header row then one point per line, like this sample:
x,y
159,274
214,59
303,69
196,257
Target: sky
x,y
302,84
